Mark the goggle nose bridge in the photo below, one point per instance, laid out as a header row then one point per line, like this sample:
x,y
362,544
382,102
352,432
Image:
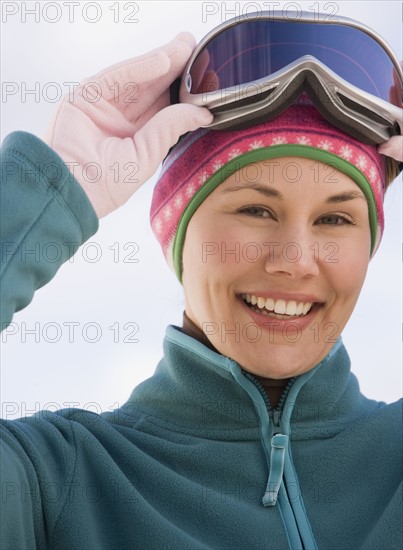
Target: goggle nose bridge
x,y
301,76
290,73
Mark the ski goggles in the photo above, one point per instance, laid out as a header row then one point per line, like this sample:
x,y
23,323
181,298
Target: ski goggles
x,y
248,71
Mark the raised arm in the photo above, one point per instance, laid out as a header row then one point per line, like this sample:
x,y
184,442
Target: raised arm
x,y
106,139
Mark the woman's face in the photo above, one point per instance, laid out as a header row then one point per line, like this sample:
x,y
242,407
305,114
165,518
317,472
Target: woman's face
x,y
274,261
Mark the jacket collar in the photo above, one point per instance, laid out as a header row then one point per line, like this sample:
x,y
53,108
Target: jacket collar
x,y
199,391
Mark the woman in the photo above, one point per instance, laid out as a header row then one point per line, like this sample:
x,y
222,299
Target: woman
x,y
252,431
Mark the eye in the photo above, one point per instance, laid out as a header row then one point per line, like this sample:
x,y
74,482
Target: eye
x,y
335,219
256,212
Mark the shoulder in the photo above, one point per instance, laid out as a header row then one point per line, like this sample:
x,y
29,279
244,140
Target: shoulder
x,y
386,412
382,426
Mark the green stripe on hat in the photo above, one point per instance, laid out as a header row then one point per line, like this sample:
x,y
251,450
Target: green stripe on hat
x,y
264,153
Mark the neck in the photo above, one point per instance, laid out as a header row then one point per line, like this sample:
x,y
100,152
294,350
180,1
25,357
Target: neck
x,y
274,388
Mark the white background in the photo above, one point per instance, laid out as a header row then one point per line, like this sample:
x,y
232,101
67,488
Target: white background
x,y
111,291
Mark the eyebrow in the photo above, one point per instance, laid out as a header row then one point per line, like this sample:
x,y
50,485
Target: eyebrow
x,y
264,189
346,196
273,193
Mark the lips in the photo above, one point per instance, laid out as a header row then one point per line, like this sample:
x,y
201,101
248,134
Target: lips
x,y
276,312
278,306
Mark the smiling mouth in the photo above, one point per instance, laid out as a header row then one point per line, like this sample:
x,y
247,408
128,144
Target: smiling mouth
x,y
278,309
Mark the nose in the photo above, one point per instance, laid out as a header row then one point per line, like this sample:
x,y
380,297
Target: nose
x,y
294,254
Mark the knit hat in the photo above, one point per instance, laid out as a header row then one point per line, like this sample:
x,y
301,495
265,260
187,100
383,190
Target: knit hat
x,y
205,158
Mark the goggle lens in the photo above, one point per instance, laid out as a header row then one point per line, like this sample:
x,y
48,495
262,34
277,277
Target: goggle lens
x,y
253,50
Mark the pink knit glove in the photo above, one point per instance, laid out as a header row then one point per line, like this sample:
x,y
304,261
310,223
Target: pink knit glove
x,y
118,126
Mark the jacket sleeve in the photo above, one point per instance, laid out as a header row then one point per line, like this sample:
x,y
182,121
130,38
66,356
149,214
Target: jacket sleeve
x,y
45,217
37,469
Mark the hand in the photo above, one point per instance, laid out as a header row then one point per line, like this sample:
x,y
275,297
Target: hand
x,y
119,125
393,148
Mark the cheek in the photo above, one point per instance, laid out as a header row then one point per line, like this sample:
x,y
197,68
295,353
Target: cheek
x,y
211,249
347,270
212,264
199,260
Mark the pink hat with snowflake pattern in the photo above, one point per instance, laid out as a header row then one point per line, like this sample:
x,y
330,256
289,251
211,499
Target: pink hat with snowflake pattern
x,y
205,158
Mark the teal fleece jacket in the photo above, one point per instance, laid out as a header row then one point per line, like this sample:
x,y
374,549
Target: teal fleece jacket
x,y
197,458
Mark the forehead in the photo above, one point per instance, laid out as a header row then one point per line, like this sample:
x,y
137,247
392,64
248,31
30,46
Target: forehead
x,y
287,174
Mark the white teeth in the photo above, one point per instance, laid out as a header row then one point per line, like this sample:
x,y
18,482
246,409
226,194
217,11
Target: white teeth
x,y
269,304
261,302
291,308
281,307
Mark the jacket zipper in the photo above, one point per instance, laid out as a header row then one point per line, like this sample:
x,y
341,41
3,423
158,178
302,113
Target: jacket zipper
x,y
296,524
279,442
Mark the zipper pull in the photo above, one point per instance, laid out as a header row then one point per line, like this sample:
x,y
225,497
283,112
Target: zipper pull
x,y
279,444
